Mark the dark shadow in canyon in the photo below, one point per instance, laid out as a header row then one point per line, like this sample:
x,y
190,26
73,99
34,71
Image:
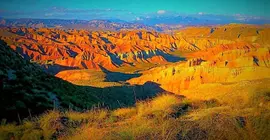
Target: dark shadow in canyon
x,y
172,58
117,76
127,95
55,68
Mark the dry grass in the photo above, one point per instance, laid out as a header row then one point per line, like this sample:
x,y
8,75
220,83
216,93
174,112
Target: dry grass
x,y
164,117
161,105
125,113
238,95
89,116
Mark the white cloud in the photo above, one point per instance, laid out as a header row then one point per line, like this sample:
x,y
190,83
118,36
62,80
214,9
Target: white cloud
x,y
137,18
161,11
200,13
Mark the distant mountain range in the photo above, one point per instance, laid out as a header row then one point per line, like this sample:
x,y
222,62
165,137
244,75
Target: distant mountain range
x,y
157,23
112,25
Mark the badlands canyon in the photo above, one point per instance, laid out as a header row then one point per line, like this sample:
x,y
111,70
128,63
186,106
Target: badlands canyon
x,y
196,82
181,60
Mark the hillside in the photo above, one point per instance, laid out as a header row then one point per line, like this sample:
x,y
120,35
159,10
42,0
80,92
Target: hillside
x,y
25,86
212,111
27,90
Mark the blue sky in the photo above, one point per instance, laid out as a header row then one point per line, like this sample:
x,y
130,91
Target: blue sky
x,y
130,9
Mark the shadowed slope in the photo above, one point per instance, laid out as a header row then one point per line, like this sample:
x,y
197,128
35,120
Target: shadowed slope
x,y
25,86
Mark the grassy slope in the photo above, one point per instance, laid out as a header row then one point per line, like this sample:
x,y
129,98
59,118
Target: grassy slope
x,y
245,115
